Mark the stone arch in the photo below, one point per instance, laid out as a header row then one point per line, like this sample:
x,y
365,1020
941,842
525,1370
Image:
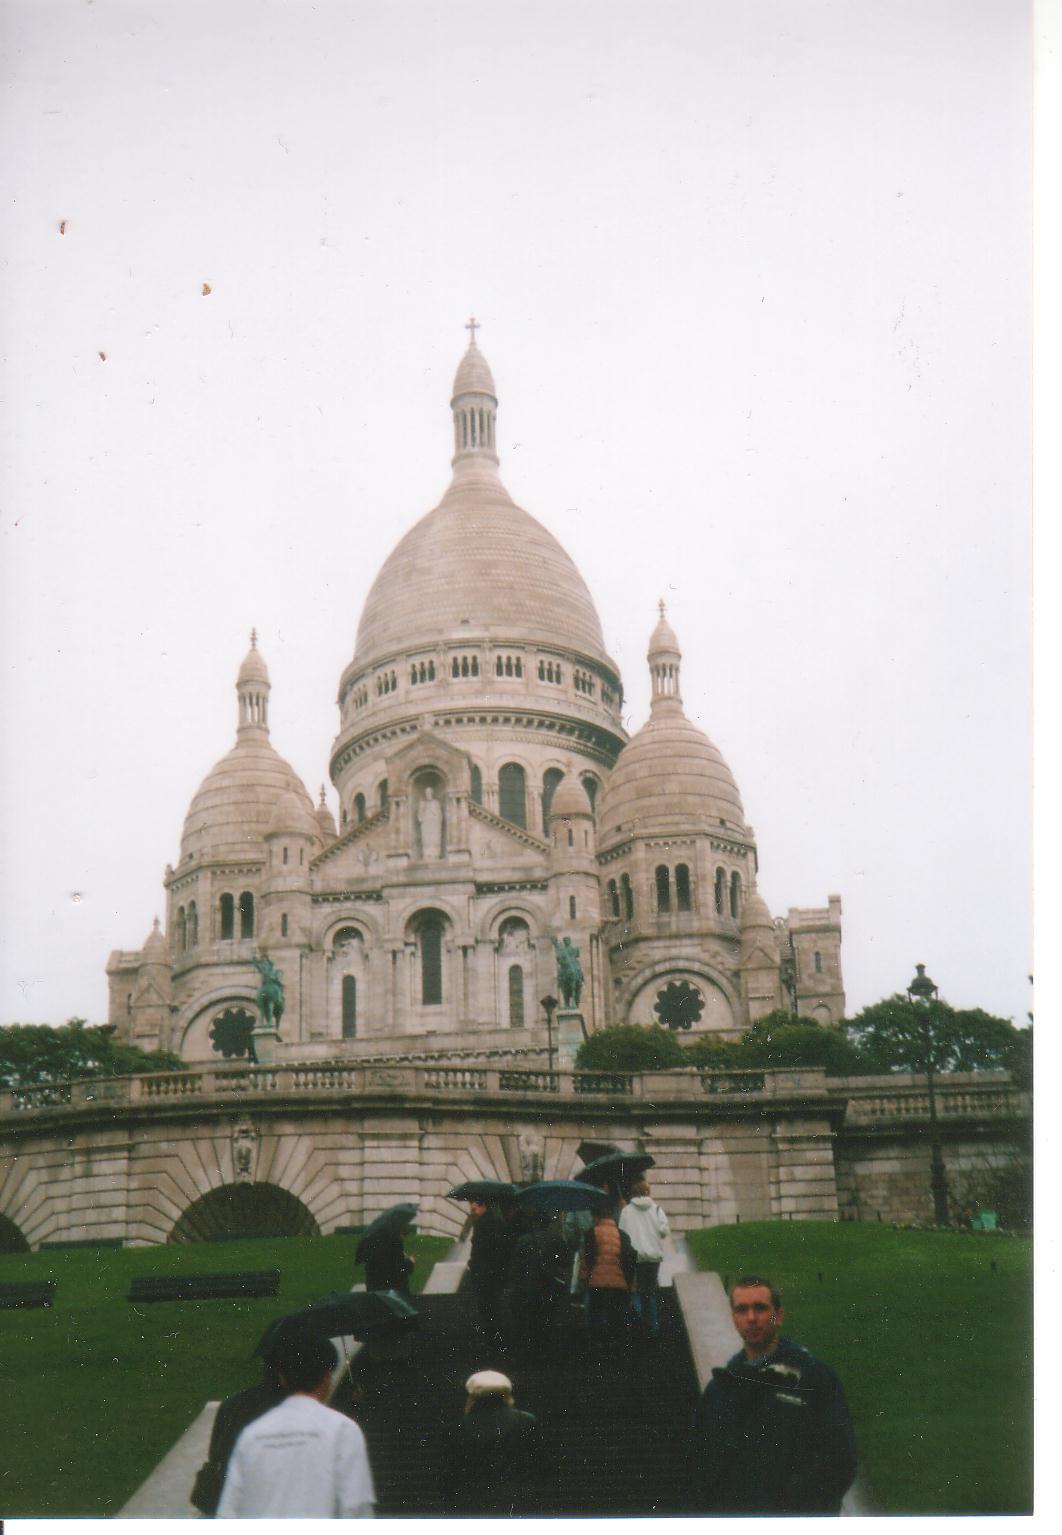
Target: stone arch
x,y
490,924
640,993
429,938
348,980
362,918
246,1210
194,1032
822,1013
11,1237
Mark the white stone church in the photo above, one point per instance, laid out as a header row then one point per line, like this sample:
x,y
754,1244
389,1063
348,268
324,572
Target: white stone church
x,y
490,802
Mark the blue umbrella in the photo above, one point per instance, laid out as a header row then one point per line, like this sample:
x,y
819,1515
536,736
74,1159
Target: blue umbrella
x,y
483,1190
563,1194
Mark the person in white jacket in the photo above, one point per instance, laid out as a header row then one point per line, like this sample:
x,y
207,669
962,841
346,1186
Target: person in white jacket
x,y
646,1224
301,1460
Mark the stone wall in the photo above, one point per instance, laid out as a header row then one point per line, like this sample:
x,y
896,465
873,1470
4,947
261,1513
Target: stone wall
x,y
336,1144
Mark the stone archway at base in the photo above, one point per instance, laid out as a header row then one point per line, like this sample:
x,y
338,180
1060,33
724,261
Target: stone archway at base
x,y
245,1210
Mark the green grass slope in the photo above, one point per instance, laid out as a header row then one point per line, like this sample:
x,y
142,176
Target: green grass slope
x,y
98,1390
931,1334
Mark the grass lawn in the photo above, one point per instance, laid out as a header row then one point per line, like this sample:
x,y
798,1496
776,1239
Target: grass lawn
x,y
931,1334
98,1390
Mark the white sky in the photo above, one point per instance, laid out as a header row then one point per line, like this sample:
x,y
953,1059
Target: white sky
x,y
753,283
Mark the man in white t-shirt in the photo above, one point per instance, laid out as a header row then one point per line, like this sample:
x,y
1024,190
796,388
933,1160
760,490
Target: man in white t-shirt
x,y
300,1460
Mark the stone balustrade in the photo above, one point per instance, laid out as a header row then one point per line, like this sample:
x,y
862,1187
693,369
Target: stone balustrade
x,y
868,1100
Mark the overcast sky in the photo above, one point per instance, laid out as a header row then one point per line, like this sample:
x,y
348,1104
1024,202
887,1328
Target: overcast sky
x,y
753,284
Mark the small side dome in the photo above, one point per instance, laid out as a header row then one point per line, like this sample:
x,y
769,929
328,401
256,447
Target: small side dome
x,y
326,824
570,798
754,913
292,817
154,951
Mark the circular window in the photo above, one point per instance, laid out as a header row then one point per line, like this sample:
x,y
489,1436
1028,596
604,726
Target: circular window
x,y
679,1005
230,1033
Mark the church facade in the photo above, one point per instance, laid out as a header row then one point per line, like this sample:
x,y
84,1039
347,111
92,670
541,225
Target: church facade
x,y
490,806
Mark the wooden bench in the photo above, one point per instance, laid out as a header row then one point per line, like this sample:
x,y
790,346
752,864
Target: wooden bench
x,y
251,1284
24,1297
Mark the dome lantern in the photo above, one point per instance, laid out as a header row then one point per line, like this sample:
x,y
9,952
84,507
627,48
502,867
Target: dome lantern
x,y
664,659
252,691
475,407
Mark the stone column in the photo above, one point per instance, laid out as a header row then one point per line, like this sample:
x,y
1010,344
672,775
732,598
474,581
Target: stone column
x,y
805,1177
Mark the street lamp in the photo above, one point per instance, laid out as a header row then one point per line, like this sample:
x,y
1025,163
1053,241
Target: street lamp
x,y
549,1006
923,995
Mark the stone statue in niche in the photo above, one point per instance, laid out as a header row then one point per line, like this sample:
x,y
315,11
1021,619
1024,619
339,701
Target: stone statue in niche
x,y
429,819
244,1144
530,1148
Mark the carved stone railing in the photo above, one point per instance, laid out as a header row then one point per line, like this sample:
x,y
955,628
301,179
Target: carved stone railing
x,y
864,1101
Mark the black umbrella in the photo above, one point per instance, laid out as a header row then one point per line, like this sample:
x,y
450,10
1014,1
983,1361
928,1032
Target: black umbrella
x,y
342,1314
397,1218
483,1190
622,1167
589,1151
562,1194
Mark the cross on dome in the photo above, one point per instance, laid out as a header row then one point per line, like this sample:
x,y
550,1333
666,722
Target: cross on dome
x,y
472,326
254,639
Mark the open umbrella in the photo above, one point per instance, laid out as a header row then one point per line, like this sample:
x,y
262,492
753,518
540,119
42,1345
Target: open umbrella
x,y
483,1190
563,1194
397,1218
341,1314
589,1151
622,1167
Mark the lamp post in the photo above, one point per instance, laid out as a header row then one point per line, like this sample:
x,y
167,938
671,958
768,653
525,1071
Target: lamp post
x,y
923,995
549,1005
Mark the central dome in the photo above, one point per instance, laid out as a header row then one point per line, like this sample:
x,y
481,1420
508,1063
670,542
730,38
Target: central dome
x,y
477,565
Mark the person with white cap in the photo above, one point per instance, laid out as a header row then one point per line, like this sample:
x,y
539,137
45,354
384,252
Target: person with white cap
x,y
494,1452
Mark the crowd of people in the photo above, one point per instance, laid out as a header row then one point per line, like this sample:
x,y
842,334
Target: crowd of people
x,y
772,1432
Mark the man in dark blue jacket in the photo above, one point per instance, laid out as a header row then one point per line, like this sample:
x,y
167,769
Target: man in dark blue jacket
x,y
772,1433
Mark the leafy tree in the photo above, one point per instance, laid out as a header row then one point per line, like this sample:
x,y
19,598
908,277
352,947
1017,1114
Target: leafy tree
x,y
32,1054
900,1035
630,1047
714,1053
779,1041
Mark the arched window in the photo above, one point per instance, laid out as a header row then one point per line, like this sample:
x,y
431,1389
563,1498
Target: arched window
x,y
381,794
227,915
477,785
512,794
455,668
613,898
516,996
590,784
818,963
182,931
571,837
350,1007
285,857
720,890
663,888
283,924
430,936
682,887
550,779
359,808
246,914
571,906
193,924
628,898
735,893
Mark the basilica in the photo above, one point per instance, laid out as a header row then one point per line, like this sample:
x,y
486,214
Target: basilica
x,y
490,807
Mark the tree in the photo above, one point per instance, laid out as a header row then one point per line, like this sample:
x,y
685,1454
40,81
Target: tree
x,y
779,1041
900,1035
630,1047
32,1054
